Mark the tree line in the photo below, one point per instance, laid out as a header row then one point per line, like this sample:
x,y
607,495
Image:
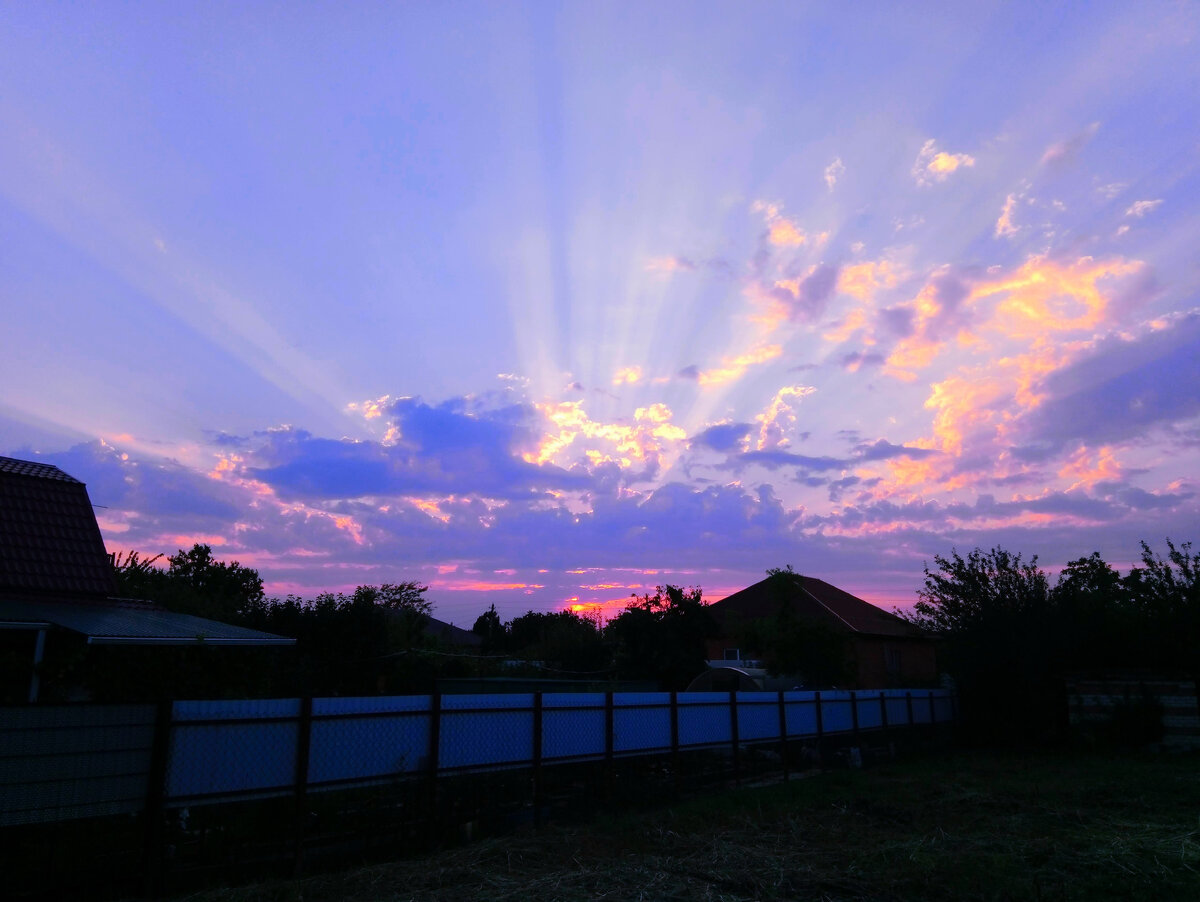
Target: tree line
x,y
1009,638
374,640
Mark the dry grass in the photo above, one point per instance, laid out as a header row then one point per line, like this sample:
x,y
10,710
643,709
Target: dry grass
x,y
962,827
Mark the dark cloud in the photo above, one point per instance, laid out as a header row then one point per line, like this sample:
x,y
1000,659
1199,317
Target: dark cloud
x,y
689,372
899,321
885,450
856,359
813,293
1123,388
453,447
724,437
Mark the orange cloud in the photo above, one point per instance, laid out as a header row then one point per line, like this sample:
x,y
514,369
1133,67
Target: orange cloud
x,y
933,165
647,438
1088,466
862,280
734,367
1045,296
628,375
781,231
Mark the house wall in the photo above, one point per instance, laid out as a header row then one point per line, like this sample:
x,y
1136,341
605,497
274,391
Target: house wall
x,y
882,662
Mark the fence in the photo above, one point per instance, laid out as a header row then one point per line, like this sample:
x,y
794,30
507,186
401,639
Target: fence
x,y
60,763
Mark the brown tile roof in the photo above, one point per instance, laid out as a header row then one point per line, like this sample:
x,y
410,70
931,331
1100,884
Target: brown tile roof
x,y
815,598
49,540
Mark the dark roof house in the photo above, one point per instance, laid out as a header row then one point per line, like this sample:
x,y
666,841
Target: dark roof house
x,y
56,576
882,649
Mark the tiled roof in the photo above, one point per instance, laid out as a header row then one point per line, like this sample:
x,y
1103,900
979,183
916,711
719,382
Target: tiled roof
x,y
33,468
49,540
817,599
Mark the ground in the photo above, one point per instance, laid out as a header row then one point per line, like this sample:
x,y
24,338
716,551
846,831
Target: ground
x,y
960,826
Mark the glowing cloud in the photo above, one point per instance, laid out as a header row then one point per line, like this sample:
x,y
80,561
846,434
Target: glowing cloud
x,y
628,375
780,416
781,231
933,165
735,367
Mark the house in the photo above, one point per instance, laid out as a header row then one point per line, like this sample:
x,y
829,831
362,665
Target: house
x,y
57,588
837,638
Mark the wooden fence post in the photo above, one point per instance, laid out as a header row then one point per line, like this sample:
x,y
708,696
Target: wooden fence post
x,y
435,747
820,729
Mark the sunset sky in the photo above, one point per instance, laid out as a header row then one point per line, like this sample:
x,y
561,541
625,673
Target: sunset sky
x,y
547,304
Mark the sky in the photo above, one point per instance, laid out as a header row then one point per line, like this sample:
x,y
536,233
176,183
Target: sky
x,y
543,305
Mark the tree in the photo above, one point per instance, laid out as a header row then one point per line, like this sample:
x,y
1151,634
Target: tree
x,y
193,583
991,611
1164,595
491,629
663,637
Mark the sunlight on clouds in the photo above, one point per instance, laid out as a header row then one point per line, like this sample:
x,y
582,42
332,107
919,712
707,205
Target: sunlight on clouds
x,y
624,444
370,410
780,417
669,265
933,165
781,231
862,280
1087,466
628,375
734,367
1044,295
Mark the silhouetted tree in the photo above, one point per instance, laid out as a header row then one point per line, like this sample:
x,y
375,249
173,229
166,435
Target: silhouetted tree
x,y
662,637
991,611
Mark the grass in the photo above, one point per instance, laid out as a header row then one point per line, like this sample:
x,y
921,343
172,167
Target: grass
x,y
964,826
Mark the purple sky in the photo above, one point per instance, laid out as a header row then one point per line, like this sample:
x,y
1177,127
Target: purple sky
x,y
547,304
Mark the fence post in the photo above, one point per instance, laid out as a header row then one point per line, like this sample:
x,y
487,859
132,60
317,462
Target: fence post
x,y
908,705
154,813
883,723
675,738
435,746
733,736
303,747
783,737
537,759
932,715
820,729
854,715
608,742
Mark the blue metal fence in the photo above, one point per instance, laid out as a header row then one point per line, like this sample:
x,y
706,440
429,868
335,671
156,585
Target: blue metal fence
x,y
54,761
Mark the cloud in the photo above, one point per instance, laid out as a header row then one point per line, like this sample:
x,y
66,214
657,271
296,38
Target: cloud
x,y
833,172
1062,153
732,368
856,360
458,446
933,165
781,231
808,296
1005,228
669,265
780,416
628,375
1123,388
726,438
1140,208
